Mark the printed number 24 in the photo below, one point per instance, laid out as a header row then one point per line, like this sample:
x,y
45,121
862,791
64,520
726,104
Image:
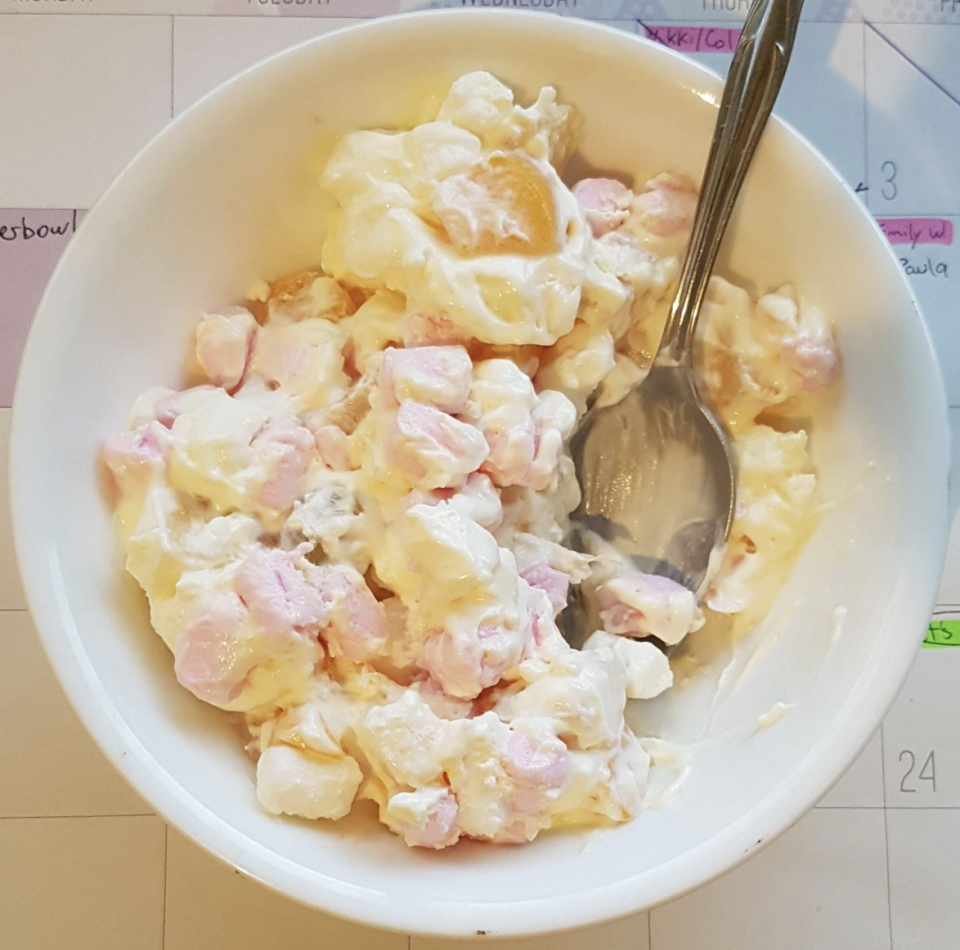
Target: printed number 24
x,y
927,773
889,172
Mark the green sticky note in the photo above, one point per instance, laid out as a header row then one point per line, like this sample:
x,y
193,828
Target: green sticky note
x,y
943,633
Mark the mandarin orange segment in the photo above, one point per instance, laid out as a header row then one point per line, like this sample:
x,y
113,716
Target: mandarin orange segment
x,y
514,181
281,291
288,287
502,206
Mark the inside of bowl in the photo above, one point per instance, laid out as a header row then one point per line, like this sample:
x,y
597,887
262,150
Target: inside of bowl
x,y
228,196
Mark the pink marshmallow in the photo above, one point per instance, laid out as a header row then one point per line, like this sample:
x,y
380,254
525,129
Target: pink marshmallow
x,y
535,764
207,658
548,446
620,619
555,584
224,344
277,594
536,628
133,452
815,361
293,448
527,457
514,833
667,204
433,447
642,605
510,454
439,830
438,376
356,624
464,666
605,201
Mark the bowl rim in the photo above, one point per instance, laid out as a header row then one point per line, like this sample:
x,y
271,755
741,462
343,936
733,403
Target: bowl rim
x,y
49,607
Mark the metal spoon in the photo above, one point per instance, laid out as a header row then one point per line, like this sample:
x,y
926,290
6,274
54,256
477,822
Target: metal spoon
x,y
656,469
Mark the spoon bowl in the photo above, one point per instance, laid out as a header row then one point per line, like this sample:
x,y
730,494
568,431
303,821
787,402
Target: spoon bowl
x,y
671,508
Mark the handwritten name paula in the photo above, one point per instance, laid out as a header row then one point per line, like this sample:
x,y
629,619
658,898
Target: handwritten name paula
x,y
924,267
26,229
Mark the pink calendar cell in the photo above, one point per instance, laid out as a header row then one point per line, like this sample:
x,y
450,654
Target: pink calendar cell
x,y
914,231
31,243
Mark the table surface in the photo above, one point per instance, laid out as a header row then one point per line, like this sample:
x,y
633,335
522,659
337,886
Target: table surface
x,y
84,863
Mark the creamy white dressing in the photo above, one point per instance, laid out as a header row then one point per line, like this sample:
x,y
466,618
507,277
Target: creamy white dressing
x,y
773,715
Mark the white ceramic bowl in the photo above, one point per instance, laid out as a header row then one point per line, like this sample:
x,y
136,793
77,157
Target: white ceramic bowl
x,y
228,193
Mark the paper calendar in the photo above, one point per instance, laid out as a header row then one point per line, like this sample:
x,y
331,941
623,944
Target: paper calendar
x,y
84,84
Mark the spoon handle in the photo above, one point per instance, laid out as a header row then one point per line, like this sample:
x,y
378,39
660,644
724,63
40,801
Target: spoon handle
x,y
755,76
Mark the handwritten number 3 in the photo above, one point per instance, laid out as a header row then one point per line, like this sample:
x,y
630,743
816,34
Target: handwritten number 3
x,y
889,190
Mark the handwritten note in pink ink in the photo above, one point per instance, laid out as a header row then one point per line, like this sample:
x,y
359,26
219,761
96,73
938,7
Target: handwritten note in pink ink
x,y
31,243
694,39
914,231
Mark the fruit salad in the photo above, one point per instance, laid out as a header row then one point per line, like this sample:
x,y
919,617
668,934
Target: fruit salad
x,y
349,523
